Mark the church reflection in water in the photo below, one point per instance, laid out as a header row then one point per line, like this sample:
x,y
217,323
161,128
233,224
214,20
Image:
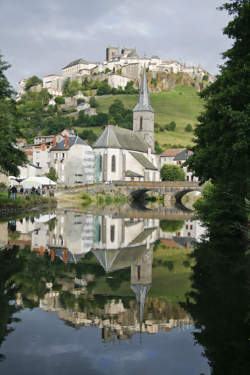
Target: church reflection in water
x,y
102,255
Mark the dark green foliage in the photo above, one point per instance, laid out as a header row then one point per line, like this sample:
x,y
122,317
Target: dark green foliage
x,y
10,156
93,103
52,174
59,100
158,148
170,172
84,120
71,88
171,126
189,128
88,135
119,115
33,81
222,148
129,89
171,225
205,77
104,88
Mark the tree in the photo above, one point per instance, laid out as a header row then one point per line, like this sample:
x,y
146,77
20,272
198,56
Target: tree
x,y
222,145
170,172
10,156
171,126
171,225
52,174
189,128
32,81
93,103
59,100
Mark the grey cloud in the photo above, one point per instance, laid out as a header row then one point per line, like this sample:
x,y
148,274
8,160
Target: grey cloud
x,y
39,37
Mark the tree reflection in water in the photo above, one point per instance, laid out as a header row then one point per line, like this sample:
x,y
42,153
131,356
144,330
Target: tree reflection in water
x,y
219,302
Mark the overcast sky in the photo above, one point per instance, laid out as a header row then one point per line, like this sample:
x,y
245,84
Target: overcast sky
x,y
39,37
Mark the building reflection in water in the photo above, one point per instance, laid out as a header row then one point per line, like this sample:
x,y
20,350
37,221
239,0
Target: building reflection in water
x,y
119,245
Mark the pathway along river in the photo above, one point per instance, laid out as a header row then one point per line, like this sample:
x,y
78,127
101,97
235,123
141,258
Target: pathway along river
x,y
91,294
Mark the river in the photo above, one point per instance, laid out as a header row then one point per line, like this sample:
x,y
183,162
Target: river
x,y
98,294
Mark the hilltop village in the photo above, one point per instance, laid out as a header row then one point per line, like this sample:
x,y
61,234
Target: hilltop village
x,y
122,66
118,154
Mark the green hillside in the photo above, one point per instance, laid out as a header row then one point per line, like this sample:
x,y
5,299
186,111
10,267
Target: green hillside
x,y
181,105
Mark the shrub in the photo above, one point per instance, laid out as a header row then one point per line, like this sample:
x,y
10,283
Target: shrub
x,y
59,100
189,128
32,81
52,174
93,102
171,225
171,172
80,101
171,126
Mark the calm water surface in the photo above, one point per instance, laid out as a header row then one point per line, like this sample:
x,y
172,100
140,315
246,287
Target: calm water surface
x,y
97,295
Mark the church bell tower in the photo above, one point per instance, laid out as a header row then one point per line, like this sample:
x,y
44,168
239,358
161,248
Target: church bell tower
x,y
143,115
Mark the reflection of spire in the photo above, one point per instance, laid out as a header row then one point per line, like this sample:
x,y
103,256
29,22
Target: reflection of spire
x,y
143,103
141,292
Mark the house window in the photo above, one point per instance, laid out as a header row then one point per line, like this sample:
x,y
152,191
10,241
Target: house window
x,y
112,233
191,227
186,226
141,121
113,166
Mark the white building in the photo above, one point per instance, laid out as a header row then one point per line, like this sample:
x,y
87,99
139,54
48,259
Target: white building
x,y
178,156
125,155
73,160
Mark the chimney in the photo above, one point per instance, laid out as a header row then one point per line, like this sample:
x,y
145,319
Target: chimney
x,y
66,141
54,142
43,146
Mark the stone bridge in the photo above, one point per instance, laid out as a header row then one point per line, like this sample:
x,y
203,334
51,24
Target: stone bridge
x,y
172,191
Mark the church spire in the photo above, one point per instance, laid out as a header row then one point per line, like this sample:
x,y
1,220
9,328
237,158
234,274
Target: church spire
x,y
143,103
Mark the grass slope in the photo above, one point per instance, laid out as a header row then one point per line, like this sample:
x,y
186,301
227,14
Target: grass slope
x,y
182,105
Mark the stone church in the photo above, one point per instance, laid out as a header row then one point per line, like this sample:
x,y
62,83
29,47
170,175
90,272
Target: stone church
x,y
128,155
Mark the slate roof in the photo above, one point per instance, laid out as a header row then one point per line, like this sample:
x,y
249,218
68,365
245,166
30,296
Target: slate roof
x,y
76,62
129,173
60,146
183,155
142,236
143,161
113,259
116,137
143,102
170,152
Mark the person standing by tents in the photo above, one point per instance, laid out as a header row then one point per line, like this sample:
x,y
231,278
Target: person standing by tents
x,y
13,192
9,191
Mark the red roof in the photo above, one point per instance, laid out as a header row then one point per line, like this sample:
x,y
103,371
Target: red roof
x,y
172,152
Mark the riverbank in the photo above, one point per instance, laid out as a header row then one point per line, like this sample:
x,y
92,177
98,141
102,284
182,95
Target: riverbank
x,y
81,199
8,206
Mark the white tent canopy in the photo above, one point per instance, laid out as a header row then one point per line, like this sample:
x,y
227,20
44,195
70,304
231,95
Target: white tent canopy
x,y
37,182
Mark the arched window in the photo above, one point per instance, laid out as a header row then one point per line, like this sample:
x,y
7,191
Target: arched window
x,y
113,166
100,161
141,120
112,233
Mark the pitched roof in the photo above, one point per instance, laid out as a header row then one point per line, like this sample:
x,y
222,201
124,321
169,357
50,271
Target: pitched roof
x,y
76,62
143,161
115,259
172,152
60,146
116,137
183,155
143,102
129,173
